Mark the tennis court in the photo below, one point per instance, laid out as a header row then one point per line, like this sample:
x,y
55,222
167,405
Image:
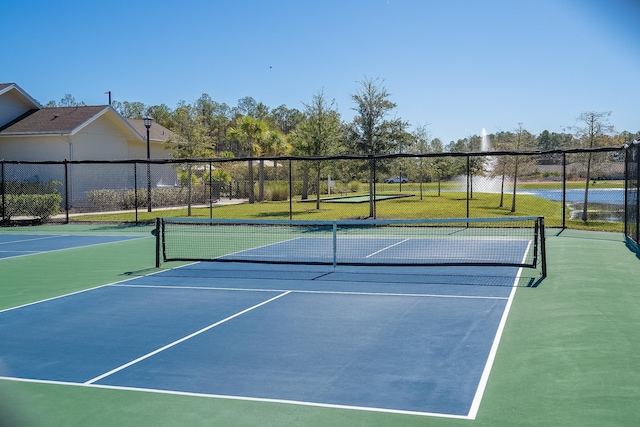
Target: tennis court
x,y
316,344
378,338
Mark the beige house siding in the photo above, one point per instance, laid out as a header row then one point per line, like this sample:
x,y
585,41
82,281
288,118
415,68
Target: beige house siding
x,y
35,148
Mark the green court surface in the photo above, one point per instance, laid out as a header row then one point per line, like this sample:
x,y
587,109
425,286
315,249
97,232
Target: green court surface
x,y
568,355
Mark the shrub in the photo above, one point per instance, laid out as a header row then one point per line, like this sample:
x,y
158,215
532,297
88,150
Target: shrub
x,y
41,206
218,175
102,200
277,191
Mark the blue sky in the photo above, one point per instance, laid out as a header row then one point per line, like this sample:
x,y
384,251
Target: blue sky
x,y
455,66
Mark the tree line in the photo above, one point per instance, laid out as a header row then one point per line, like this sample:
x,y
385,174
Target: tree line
x,y
206,128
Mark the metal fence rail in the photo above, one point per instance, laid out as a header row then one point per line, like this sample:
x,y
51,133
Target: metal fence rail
x,y
440,185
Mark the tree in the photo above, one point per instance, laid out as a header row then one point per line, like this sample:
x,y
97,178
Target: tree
x,y
162,115
67,101
421,146
286,119
522,139
470,166
249,131
216,118
276,144
593,131
440,167
319,135
272,142
192,142
130,110
370,132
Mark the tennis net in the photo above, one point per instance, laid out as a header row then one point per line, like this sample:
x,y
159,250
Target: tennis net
x,y
516,241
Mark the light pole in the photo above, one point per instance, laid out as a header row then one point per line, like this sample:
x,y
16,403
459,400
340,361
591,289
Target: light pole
x,y
147,124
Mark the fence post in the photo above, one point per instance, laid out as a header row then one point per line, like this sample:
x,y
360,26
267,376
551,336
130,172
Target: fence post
x,y
636,208
135,189
469,181
210,190
3,190
375,214
66,190
290,192
564,190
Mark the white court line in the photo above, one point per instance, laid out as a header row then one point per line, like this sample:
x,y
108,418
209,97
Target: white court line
x,y
34,239
385,248
67,295
240,398
161,349
302,291
74,247
482,385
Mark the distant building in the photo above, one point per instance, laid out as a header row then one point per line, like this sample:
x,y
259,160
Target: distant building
x,y
31,133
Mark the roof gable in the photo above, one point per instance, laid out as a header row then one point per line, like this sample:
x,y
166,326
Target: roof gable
x,y
58,120
157,132
7,87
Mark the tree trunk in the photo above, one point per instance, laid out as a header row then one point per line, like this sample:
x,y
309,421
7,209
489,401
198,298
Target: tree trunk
x,y
318,187
305,184
515,184
502,189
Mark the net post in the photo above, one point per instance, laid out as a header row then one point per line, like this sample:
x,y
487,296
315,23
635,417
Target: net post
x,y
157,233
543,251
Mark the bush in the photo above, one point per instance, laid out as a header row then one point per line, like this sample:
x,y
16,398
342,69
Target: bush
x,y
41,206
277,191
104,200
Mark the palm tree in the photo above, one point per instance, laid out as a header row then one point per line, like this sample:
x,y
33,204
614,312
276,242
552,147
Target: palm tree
x,y
276,144
250,132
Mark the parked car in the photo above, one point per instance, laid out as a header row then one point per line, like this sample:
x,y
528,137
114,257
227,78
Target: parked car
x,y
396,179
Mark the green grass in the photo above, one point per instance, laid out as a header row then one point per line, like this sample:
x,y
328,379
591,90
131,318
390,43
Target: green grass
x,y
447,205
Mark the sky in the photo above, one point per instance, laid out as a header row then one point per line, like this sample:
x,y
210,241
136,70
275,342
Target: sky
x,y
451,66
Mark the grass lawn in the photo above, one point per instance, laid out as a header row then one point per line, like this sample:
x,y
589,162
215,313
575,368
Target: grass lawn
x,y
448,204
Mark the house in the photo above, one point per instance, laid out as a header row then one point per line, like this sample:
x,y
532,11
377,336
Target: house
x,y
31,133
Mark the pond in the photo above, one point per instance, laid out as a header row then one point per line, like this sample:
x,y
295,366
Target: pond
x,y
610,196
605,204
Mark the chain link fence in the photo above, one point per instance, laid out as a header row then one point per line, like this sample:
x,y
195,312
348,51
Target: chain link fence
x,y
570,188
632,195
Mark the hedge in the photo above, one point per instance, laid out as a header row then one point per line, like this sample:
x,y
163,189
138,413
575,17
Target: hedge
x,y
42,206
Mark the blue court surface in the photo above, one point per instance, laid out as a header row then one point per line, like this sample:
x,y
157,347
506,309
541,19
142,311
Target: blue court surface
x,y
412,340
16,245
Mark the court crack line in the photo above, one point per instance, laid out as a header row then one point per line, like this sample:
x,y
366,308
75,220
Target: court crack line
x,y
161,349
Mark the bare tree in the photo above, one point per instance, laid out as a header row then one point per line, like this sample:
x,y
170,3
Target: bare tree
x,y
593,130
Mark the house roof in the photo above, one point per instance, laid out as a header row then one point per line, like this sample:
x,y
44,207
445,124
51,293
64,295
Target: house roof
x,y
7,87
58,120
69,120
157,132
